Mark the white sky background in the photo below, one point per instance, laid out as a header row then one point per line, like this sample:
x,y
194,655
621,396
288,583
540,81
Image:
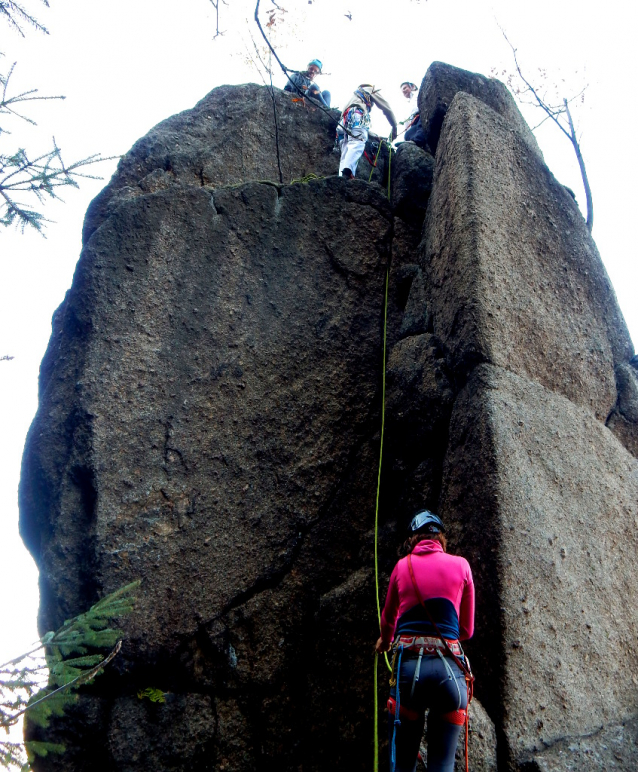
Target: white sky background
x,y
125,65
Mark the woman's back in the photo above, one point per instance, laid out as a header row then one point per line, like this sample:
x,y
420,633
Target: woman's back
x,y
444,583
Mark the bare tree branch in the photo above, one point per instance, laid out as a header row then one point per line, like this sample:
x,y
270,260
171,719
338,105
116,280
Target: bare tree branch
x,y
15,15
583,172
554,113
286,70
215,4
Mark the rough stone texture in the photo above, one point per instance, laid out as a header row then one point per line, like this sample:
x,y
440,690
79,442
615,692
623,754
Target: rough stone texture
x,y
228,137
613,748
211,387
404,271
544,500
513,276
412,172
418,398
441,84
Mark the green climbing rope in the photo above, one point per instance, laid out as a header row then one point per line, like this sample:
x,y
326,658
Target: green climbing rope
x,y
305,180
374,165
376,508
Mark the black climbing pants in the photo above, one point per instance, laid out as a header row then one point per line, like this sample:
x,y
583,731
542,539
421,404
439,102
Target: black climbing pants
x,y
441,689
416,134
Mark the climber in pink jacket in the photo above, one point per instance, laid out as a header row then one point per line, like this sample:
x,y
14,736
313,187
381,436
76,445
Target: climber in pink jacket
x,y
430,598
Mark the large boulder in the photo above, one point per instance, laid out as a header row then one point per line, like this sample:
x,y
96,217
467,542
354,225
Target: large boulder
x,y
207,416
539,494
210,422
442,82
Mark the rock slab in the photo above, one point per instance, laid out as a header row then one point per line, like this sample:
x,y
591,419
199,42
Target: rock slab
x,y
512,274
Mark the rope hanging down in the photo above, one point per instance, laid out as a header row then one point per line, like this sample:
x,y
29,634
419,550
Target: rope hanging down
x,y
286,70
376,509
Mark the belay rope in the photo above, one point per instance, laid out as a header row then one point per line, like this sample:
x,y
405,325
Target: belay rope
x,y
376,514
469,677
374,166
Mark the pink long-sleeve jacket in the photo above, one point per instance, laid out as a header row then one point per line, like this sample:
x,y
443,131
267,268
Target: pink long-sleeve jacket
x,y
446,586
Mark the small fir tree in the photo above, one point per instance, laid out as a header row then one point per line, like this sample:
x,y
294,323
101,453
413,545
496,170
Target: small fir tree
x,y
42,683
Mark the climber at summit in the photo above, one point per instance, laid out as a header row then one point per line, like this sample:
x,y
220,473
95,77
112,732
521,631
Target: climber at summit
x,y
356,121
414,130
302,83
429,609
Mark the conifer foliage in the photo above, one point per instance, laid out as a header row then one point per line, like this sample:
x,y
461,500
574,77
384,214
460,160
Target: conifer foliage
x,y
43,682
27,179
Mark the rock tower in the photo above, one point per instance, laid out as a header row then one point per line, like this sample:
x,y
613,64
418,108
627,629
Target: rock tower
x,y
209,422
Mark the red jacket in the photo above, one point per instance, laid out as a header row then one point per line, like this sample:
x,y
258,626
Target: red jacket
x,y
446,586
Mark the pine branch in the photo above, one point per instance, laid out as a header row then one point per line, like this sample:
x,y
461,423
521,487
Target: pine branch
x,y
39,177
78,681
16,15
21,687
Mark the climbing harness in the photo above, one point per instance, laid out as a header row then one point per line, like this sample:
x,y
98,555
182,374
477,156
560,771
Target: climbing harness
x,y
417,672
428,643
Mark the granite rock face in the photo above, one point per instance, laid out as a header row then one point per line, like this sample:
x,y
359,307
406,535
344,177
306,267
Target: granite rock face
x,y
623,420
539,492
512,273
209,422
441,84
552,536
227,138
216,421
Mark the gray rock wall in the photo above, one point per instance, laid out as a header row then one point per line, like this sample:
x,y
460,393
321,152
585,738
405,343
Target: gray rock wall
x,y
542,495
220,360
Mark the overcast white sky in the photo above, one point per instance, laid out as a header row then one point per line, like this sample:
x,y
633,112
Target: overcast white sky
x,y
127,64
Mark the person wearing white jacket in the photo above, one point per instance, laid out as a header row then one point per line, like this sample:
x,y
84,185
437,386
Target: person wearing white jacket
x,y
356,121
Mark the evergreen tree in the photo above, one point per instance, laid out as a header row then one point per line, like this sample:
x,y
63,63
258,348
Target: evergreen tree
x,y
27,179
43,682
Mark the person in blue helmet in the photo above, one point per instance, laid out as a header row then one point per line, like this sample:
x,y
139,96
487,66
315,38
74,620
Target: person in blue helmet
x,y
428,611
302,83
